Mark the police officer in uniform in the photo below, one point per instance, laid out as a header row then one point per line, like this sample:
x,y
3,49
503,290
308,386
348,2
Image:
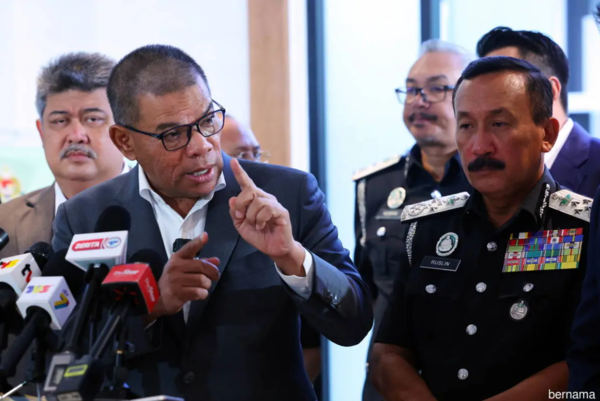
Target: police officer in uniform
x,y
431,169
490,278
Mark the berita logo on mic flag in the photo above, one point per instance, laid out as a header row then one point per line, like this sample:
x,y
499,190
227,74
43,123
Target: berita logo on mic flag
x,y
94,244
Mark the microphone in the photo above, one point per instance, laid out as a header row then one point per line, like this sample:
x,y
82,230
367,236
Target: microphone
x,y
100,251
15,273
3,239
46,304
133,290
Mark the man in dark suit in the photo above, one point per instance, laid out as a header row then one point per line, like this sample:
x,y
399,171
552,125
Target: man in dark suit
x,y
573,160
226,326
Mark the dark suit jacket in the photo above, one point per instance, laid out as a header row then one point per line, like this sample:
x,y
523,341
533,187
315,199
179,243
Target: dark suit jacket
x,y
584,356
27,220
577,165
243,342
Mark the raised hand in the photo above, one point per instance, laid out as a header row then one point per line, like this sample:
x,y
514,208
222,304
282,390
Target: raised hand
x,y
265,224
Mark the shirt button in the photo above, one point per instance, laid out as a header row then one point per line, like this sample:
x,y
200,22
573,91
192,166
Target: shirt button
x,y
189,378
381,231
471,329
481,287
528,287
492,246
431,288
335,301
463,374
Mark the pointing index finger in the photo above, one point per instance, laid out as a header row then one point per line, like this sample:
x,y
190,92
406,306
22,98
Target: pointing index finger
x,y
240,174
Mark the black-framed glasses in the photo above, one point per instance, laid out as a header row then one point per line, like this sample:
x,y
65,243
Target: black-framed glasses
x,y
258,155
431,94
175,138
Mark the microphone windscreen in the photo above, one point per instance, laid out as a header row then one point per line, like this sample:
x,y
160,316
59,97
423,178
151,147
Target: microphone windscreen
x,y
113,218
3,239
57,266
151,258
41,252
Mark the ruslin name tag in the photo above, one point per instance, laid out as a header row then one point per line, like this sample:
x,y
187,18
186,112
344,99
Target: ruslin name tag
x,y
438,263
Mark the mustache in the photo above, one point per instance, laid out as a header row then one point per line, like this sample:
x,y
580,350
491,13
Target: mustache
x,y
425,116
76,147
486,162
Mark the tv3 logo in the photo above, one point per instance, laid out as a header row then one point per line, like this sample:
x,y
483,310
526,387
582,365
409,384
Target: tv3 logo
x,y
37,289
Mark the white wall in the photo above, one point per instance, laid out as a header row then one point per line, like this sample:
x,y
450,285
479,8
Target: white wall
x,y
215,33
370,46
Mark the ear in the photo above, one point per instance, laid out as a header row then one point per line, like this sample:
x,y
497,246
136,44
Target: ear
x,y
38,124
123,140
556,88
551,129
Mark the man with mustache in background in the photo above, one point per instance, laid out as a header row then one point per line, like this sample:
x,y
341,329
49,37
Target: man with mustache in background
x,y
430,169
74,117
490,279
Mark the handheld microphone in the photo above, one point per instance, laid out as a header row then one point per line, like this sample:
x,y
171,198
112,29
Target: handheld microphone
x,y
46,303
133,290
3,239
15,273
100,251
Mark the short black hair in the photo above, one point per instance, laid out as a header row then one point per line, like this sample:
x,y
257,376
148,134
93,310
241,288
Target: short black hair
x,y
537,85
154,69
534,47
80,71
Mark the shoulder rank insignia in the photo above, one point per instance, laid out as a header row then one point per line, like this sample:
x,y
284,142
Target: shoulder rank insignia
x,y
376,167
433,206
571,203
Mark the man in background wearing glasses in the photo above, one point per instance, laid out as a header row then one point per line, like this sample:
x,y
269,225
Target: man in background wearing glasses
x,y
431,169
263,247
238,140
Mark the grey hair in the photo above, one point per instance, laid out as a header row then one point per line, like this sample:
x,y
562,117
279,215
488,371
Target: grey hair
x,y
440,46
81,71
153,69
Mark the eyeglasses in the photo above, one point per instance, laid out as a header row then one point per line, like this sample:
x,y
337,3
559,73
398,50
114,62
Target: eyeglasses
x,y
431,94
175,138
257,155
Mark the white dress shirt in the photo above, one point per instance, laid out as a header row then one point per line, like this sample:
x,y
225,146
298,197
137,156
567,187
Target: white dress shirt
x,y
563,135
173,226
59,197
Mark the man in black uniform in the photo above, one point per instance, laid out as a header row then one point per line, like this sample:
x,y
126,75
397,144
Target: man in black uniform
x,y
431,169
490,278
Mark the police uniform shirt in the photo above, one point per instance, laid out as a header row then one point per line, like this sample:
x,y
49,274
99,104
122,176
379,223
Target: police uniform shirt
x,y
378,228
484,308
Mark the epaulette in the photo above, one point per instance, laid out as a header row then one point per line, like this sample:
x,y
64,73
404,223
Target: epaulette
x,y
362,173
573,204
434,206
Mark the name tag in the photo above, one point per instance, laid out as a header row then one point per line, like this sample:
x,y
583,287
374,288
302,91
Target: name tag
x,y
389,214
437,263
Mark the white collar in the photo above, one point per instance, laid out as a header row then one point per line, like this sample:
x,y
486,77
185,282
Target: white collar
x,y
151,196
60,198
563,135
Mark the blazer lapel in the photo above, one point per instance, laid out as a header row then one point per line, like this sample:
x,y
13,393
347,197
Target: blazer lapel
x,y
222,235
574,154
36,223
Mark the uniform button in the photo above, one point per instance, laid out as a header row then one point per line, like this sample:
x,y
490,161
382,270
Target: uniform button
x,y
481,287
492,246
471,329
436,194
463,374
528,287
381,231
335,301
327,295
431,288
189,378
